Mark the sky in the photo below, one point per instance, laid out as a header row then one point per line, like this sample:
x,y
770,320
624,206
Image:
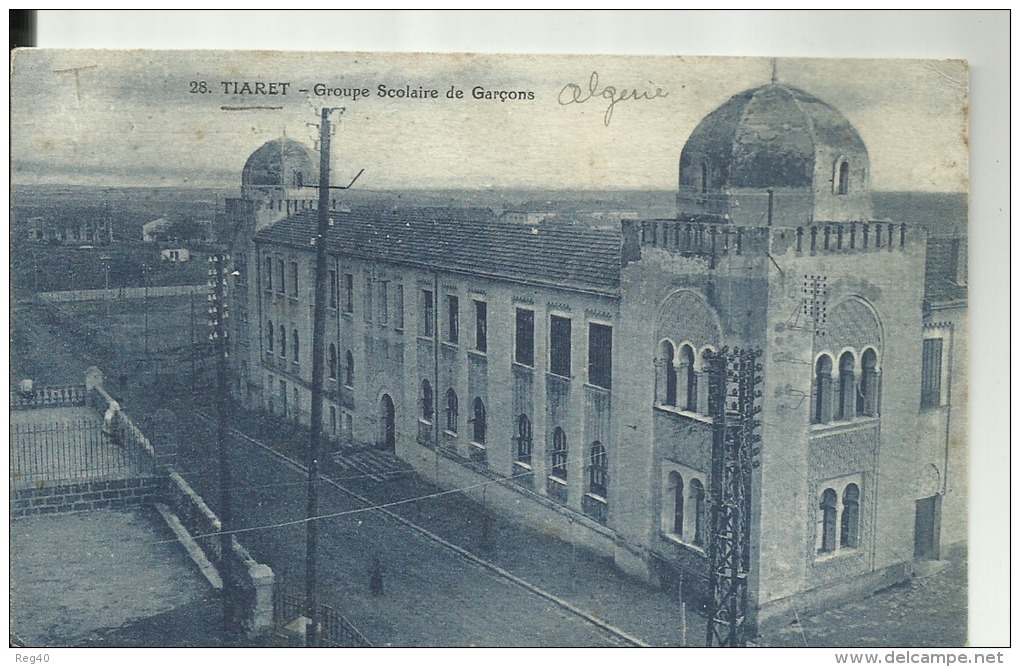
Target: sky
x,y
133,118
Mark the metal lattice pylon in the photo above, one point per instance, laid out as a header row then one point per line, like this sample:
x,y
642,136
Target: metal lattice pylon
x,y
732,383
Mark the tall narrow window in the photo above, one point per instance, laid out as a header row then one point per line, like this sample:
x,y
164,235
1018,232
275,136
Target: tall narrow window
x,y
428,314
844,178
426,400
269,273
452,319
283,342
559,454
281,278
332,420
598,470
849,527
704,178
451,410
676,484
600,355
823,390
384,302
333,362
295,346
828,509
294,279
367,306
524,345
690,378
867,395
283,399
478,427
698,496
348,293
333,290
349,369
398,308
666,380
269,337
481,326
524,441
931,373
559,345
847,387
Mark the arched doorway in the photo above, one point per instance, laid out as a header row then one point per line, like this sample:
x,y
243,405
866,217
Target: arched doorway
x,y
388,434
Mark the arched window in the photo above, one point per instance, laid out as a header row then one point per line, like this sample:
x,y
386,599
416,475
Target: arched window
x,y
676,485
451,410
478,426
690,379
867,393
333,362
295,346
849,527
283,342
269,336
524,441
675,494
847,387
666,380
349,369
698,496
828,512
704,178
823,390
843,184
299,179
559,454
598,476
426,400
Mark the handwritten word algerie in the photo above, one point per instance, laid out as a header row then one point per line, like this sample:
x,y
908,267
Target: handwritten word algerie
x,y
574,94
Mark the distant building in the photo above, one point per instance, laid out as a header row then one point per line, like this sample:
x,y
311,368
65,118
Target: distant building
x,y
563,368
533,213
93,230
175,255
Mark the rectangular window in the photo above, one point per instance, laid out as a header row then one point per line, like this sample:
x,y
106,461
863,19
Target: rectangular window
x,y
333,289
348,293
398,308
428,314
600,355
269,272
293,279
524,348
559,345
453,319
931,373
384,302
368,298
481,326
280,277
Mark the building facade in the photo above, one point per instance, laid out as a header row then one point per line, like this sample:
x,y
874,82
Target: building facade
x,y
565,366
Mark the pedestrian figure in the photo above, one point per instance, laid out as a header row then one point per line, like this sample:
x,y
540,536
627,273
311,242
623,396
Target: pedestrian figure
x,y
375,584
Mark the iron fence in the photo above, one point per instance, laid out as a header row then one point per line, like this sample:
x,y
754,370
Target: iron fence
x,y
71,451
334,629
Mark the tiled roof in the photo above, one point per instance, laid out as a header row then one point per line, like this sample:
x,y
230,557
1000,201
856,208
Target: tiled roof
x,y
468,241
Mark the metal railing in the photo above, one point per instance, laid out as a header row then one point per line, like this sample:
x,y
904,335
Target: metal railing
x,y
72,451
334,629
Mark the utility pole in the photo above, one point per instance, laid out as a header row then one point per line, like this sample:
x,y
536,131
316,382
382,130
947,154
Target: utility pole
x,y
218,335
733,377
318,364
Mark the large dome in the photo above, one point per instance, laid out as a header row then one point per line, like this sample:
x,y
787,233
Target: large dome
x,y
778,142
280,163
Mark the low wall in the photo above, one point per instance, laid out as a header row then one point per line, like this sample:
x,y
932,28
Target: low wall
x,y
86,496
117,293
